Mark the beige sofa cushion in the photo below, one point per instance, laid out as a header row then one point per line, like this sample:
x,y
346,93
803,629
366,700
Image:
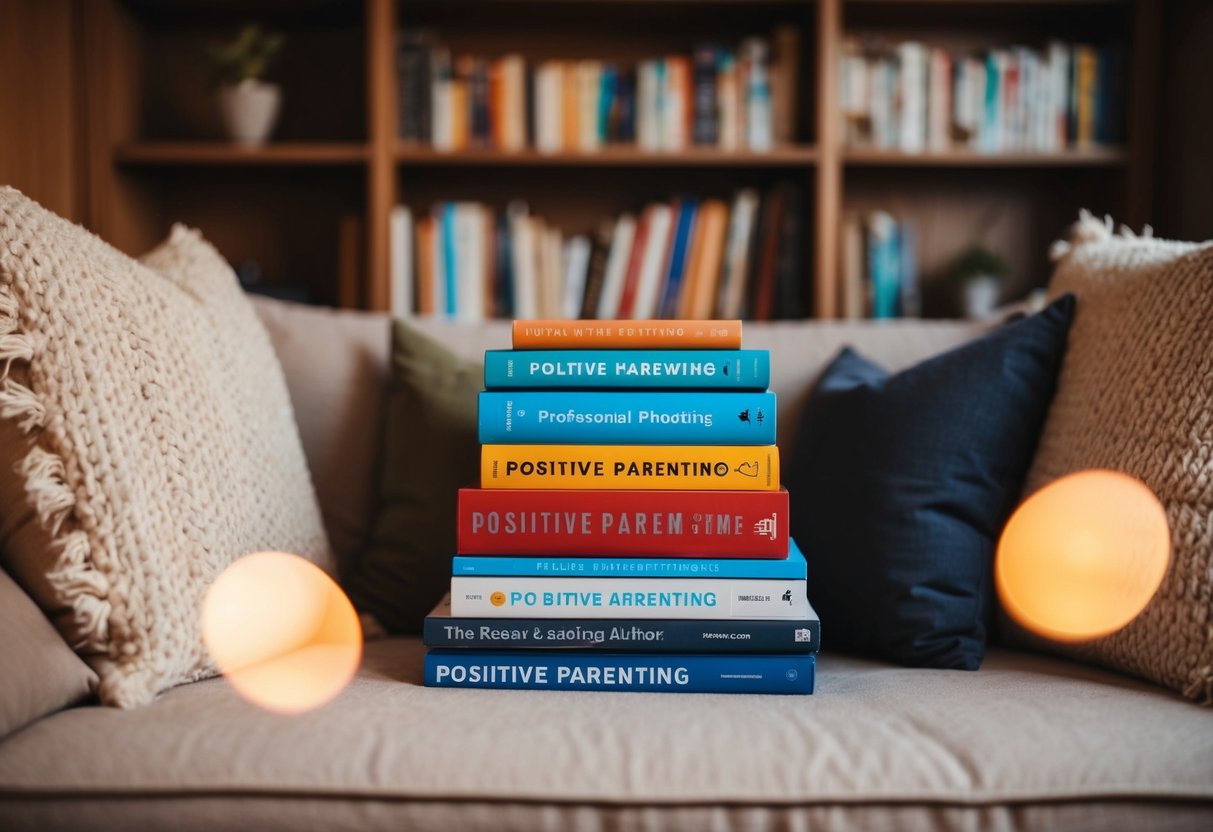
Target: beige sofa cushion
x,y
147,424
1135,394
1027,741
39,673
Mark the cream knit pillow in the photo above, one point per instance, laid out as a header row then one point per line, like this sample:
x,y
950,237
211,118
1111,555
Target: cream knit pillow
x,y
1135,394
146,442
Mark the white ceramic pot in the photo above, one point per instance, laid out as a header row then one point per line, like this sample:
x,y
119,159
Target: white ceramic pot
x,y
979,296
249,110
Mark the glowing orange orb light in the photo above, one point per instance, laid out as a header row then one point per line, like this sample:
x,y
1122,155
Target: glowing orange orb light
x,y
1083,556
282,632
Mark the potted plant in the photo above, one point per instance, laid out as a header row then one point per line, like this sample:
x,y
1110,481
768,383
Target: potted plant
x,y
977,274
249,105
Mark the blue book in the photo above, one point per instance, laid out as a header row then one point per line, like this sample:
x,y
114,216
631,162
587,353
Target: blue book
x,y
678,257
603,369
543,670
607,84
562,417
448,257
632,635
791,568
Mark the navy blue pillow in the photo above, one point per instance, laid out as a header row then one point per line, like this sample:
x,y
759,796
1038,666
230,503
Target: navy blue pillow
x,y
900,486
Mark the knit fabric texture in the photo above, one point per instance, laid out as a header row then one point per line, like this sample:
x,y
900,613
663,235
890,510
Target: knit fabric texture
x,y
1135,394
147,442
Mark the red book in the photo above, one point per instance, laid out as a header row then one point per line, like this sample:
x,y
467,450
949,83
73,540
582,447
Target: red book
x,y
722,524
632,274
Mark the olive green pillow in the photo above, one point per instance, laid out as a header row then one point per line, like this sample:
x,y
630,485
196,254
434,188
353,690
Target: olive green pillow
x,y
430,451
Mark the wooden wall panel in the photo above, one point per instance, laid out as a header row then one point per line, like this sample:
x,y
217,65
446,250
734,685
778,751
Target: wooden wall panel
x,y
39,106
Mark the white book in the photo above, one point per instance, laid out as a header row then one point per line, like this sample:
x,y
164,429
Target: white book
x,y
939,101
648,134
470,261
880,103
730,301
615,271
652,266
589,88
400,242
757,95
853,94
853,289
576,264
513,103
522,255
1059,93
673,109
549,107
438,287
912,89
665,598
442,123
553,275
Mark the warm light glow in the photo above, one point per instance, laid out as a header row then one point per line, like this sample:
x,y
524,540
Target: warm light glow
x,y
1083,556
282,632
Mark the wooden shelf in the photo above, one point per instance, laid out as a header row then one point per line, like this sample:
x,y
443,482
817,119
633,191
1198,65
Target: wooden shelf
x,y
1086,158
222,153
792,156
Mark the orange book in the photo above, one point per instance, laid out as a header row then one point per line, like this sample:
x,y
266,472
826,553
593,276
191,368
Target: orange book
x,y
701,299
569,107
643,467
459,114
425,265
497,113
624,335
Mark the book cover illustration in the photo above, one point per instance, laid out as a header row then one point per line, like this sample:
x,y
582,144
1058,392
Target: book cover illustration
x,y
626,417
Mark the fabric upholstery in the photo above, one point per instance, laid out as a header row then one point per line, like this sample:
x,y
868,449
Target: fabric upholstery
x,y
336,366
1135,394
900,485
39,673
1026,736
152,435
429,452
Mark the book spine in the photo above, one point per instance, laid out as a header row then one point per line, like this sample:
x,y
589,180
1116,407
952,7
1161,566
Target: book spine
x,y
675,598
620,672
553,417
725,524
634,635
642,334
572,564
687,467
594,369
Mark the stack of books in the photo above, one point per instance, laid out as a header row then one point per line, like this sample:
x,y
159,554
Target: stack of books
x,y
629,531
690,257
739,98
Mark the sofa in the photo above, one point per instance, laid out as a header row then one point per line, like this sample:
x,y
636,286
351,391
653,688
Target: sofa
x,y
1026,742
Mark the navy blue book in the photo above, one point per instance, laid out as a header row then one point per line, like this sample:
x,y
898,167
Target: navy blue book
x,y
633,635
542,670
679,254
562,417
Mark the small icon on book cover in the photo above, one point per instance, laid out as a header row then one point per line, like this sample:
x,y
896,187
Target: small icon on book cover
x,y
802,635
766,526
497,599
759,418
744,416
791,675
787,596
747,469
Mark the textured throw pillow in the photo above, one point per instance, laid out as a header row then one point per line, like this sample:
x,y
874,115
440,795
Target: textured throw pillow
x,y
146,442
430,450
1135,394
40,674
900,486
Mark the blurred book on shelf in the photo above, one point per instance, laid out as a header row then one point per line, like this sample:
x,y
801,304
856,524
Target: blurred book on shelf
x,y
879,267
690,257
915,98
730,97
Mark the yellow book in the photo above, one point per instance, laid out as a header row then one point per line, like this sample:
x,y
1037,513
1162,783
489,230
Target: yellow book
x,y
646,467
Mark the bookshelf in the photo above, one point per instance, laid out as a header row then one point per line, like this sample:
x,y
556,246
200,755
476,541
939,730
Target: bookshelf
x,y
336,152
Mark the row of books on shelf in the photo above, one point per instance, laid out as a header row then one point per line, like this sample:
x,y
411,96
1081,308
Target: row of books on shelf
x,y
689,258
718,96
915,98
613,566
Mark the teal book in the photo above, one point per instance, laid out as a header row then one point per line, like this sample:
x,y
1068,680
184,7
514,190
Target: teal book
x,y
630,369
625,417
